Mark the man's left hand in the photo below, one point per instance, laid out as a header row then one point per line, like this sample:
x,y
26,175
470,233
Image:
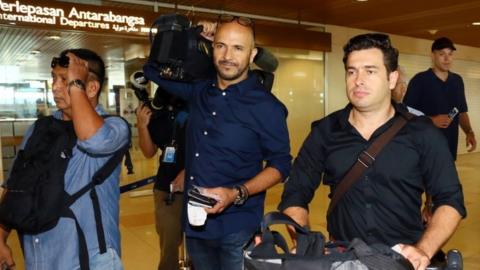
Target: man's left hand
x,y
224,197
417,257
471,141
77,68
179,182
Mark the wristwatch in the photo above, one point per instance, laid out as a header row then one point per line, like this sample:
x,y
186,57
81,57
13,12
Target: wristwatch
x,y
242,195
77,83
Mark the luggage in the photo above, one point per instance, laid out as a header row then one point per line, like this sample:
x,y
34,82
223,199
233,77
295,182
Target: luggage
x,y
310,251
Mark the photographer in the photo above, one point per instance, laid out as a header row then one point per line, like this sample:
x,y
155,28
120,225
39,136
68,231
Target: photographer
x,y
164,128
235,125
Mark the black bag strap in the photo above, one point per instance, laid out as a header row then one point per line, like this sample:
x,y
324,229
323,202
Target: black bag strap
x,y
366,159
97,179
274,218
82,242
308,243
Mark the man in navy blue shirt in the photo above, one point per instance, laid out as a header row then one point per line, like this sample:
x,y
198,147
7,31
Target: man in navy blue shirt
x,y
438,91
237,145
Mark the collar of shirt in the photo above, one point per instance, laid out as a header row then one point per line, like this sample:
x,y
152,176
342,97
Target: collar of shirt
x,y
400,109
99,109
240,88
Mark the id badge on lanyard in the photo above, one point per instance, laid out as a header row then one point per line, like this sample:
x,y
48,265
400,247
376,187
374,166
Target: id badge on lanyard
x,y
170,153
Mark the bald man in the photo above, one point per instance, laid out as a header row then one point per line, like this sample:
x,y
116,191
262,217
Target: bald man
x,y
400,89
237,146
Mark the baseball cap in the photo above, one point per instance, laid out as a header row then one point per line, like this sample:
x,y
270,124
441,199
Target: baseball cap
x,y
442,43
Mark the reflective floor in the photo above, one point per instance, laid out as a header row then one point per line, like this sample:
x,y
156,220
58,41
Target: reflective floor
x,y
140,247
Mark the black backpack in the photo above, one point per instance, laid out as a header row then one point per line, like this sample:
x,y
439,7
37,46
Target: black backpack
x,y
35,198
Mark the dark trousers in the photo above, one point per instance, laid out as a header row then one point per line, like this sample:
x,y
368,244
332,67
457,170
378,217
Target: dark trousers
x,y
225,253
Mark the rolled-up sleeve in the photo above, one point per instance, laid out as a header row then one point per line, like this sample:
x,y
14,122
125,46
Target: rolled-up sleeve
x,y
109,138
440,174
305,176
275,140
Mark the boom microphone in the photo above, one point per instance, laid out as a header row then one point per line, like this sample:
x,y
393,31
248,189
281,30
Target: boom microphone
x,y
265,60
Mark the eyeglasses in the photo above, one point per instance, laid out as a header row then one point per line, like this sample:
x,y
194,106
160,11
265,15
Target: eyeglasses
x,y
63,61
227,18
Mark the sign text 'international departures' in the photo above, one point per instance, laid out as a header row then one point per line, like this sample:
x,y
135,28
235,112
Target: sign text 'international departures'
x,y
77,17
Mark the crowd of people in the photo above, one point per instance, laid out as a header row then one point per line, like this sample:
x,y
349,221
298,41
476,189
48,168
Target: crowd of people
x,y
228,138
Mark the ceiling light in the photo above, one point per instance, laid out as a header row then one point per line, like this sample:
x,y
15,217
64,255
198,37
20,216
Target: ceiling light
x,y
54,37
362,0
34,52
433,31
476,23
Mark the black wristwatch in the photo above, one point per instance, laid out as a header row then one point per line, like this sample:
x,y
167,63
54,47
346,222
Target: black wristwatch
x,y
242,195
77,83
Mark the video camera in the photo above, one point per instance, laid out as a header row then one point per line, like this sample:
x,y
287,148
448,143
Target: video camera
x,y
179,52
178,49
160,100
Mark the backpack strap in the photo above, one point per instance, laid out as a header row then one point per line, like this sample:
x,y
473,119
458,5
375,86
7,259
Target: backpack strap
x,y
97,179
366,160
82,242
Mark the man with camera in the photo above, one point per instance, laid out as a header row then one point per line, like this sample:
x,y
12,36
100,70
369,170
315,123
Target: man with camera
x,y
162,125
382,203
440,94
234,126
78,76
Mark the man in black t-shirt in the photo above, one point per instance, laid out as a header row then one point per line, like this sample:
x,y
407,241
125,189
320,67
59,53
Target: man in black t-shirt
x,y
440,94
164,128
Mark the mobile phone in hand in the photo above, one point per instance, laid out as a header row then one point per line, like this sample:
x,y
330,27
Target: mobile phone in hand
x,y
453,113
198,199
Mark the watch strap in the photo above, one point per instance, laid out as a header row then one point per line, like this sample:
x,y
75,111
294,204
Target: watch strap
x,y
77,83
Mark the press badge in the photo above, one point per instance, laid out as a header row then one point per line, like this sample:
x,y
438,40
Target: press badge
x,y
169,156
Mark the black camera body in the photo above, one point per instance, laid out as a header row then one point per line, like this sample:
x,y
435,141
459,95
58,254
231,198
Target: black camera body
x,y
179,51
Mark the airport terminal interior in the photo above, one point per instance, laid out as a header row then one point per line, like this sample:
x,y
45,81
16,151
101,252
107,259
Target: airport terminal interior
x,y
305,36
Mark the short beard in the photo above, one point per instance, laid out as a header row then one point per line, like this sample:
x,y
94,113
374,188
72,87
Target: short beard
x,y
230,77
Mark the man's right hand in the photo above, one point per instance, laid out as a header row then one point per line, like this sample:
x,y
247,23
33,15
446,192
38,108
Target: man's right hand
x,y
143,115
209,29
6,258
441,120
417,257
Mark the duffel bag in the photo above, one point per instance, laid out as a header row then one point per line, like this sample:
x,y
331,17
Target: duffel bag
x,y
272,252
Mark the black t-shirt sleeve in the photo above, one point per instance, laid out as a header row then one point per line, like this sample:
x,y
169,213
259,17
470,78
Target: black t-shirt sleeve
x,y
462,101
414,92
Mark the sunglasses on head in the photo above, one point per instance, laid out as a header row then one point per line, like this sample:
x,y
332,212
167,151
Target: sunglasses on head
x,y
227,18
62,61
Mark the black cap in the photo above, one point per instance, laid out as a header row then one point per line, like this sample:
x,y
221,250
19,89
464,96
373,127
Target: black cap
x,y
442,43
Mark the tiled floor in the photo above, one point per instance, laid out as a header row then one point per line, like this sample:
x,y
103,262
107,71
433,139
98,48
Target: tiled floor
x,y
140,243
